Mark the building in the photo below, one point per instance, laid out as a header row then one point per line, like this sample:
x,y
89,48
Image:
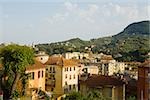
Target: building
x,y
91,69
144,81
37,77
61,76
76,55
132,69
42,57
110,87
109,66
86,70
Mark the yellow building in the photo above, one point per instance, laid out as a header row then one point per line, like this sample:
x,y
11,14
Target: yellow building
x,y
61,76
110,87
37,77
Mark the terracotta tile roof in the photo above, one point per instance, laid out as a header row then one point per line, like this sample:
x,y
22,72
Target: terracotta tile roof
x,y
61,61
36,65
100,80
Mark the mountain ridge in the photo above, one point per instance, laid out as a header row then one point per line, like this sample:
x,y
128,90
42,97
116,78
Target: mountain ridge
x,y
133,38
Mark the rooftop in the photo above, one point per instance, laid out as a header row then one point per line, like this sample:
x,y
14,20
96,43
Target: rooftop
x,y
100,80
61,61
35,66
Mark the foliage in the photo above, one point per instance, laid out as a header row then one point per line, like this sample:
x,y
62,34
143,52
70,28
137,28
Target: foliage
x,y
15,58
91,95
95,95
135,37
74,96
131,98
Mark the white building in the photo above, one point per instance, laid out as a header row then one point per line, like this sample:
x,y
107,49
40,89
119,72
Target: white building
x,y
76,55
109,66
42,57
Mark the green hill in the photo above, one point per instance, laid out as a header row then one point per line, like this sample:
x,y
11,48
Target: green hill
x,y
132,44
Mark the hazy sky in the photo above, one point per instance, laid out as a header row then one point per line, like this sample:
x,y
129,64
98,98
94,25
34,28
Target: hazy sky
x,y
44,21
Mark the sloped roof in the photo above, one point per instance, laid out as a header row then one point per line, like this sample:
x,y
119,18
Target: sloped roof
x,y
35,66
61,61
100,80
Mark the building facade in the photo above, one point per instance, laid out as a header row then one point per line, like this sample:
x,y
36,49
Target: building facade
x,y
36,79
42,57
61,76
109,66
76,55
110,87
144,81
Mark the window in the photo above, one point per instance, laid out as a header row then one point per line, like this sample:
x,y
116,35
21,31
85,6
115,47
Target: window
x,y
70,68
67,68
46,69
41,58
42,73
38,74
52,89
53,69
50,69
70,77
46,75
66,83
74,76
74,86
74,68
69,87
32,75
66,76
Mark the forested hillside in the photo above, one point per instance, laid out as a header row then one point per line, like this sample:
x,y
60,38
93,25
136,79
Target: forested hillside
x,y
132,44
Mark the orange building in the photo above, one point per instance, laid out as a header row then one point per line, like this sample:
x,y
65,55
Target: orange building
x,y
144,81
37,77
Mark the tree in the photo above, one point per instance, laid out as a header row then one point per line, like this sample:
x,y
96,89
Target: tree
x,y
91,95
15,58
74,96
95,95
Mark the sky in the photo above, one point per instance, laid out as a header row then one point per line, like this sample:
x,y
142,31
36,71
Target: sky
x,y
46,21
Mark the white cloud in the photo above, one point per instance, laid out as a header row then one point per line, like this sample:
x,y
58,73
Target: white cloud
x,y
94,18
70,6
58,17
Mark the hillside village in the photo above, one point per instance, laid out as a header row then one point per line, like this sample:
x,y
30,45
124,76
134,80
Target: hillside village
x,y
60,74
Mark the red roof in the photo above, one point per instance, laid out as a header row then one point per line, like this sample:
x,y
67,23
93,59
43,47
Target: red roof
x,y
61,61
100,80
36,65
